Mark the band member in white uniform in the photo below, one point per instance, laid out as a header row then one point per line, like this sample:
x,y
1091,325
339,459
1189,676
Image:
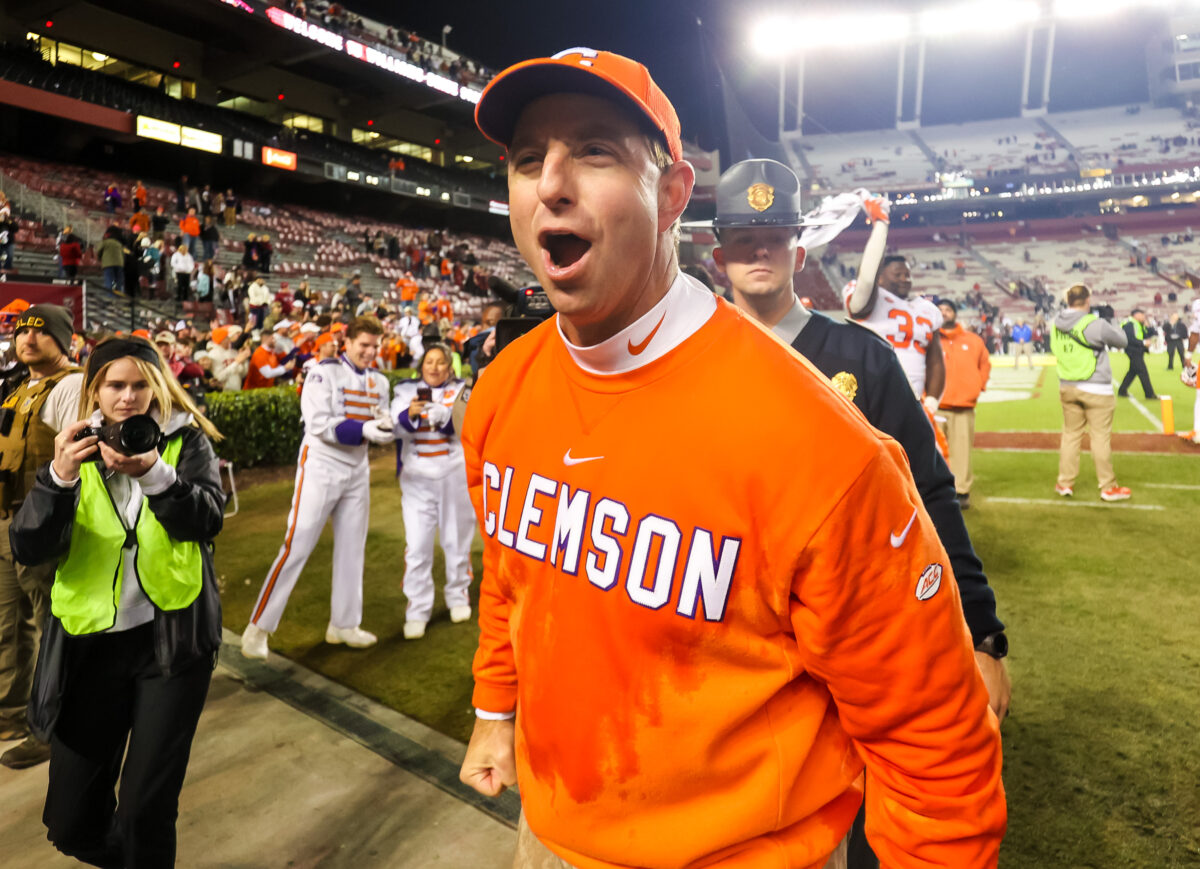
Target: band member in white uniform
x,y
433,486
344,406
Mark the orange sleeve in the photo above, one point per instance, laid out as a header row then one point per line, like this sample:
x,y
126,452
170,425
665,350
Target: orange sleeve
x,y
893,648
494,666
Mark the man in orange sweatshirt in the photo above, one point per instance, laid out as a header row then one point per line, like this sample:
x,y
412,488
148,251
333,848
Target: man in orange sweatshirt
x,y
968,368
687,657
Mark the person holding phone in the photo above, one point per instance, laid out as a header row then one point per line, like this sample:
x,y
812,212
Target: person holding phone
x,y
433,488
135,625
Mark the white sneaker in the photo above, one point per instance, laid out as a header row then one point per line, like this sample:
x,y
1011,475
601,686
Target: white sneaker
x,y
254,642
414,630
355,638
460,614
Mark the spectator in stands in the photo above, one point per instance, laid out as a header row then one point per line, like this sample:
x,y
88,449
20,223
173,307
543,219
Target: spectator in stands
x,y
205,280
229,366
8,241
1080,341
111,253
366,306
210,237
181,194
1022,343
250,252
189,227
1138,335
139,196
183,265
150,263
967,371
112,198
70,252
206,202
158,224
264,364
139,222
230,208
265,251
303,294
259,297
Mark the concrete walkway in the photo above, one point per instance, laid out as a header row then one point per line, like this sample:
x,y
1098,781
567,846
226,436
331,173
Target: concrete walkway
x,y
291,770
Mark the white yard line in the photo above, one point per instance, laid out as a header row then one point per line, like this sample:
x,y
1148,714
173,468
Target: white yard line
x,y
1154,421
1064,502
1184,486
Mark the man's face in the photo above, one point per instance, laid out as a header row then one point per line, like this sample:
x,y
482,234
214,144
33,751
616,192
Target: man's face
x,y
1140,317
327,350
362,349
895,278
491,316
758,261
949,316
35,348
584,204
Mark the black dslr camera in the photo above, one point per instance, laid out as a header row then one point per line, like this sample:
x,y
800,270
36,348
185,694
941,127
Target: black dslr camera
x,y
131,437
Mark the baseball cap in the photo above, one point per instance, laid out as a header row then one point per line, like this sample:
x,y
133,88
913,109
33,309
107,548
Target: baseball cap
x,y
576,70
323,338
140,333
310,327
164,337
54,320
220,334
282,324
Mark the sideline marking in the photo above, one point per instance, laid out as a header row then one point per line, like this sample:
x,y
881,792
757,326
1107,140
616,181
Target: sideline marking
x,y
1055,451
1157,423
1184,486
350,713
1066,503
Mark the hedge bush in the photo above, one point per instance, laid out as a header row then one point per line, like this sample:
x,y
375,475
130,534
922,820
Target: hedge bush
x,y
263,426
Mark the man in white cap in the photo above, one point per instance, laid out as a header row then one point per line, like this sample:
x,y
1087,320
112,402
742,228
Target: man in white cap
x,y
685,655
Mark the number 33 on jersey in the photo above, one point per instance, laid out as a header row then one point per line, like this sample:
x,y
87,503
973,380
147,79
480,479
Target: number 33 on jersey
x,y
908,325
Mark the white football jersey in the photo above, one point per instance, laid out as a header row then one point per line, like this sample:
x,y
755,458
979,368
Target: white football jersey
x,y
1195,327
908,325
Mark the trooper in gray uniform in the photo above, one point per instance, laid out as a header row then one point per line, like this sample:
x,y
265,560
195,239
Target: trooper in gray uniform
x,y
757,225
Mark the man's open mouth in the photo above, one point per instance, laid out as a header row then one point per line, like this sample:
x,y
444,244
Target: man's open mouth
x,y
565,248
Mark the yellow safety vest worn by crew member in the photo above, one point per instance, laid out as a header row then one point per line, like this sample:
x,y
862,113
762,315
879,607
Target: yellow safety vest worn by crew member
x,y
1074,356
29,443
87,585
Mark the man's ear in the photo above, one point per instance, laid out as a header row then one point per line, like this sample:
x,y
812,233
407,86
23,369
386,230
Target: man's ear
x,y
801,256
718,256
674,191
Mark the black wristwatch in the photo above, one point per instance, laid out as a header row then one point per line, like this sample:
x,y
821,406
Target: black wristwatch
x,y
995,645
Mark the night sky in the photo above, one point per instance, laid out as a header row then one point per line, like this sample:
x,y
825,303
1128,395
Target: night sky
x,y
1094,64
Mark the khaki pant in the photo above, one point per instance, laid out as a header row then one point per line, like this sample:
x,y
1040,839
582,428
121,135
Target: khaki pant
x,y
959,429
24,604
1020,350
532,854
1093,413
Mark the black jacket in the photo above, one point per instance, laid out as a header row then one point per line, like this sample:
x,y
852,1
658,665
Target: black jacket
x,y
1135,347
887,401
192,509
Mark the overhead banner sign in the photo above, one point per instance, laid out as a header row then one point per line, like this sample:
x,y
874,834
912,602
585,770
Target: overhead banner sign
x,y
393,63
278,158
153,128
202,140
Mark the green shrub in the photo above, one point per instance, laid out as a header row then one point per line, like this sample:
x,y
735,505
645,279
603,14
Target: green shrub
x,y
261,426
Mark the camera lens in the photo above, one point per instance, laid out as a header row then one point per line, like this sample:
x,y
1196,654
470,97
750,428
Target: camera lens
x,y
137,435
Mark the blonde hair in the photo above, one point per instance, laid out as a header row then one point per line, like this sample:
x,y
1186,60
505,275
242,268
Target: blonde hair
x,y
167,394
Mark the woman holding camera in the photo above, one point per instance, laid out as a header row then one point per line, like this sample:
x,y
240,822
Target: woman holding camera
x,y
135,624
433,488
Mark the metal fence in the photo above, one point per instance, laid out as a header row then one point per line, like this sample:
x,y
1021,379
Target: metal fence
x,y
51,211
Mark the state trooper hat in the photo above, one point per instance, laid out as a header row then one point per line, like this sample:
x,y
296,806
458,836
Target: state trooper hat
x,y
758,193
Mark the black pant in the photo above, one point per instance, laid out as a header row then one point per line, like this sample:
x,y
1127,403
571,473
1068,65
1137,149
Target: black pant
x,y
183,286
1137,368
1174,346
116,692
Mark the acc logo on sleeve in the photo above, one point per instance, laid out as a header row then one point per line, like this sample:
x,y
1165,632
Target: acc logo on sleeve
x,y
929,582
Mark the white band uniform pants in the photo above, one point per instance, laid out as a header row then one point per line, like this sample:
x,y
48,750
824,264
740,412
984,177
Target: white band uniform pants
x,y
431,505
324,488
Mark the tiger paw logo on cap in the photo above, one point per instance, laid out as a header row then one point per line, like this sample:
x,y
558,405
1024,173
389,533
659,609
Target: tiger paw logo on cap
x,y
760,196
929,582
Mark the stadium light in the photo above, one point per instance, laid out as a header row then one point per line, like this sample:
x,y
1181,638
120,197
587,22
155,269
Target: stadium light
x,y
775,37
978,17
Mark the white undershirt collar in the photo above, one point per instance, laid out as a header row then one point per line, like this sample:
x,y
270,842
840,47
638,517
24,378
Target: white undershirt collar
x,y
686,307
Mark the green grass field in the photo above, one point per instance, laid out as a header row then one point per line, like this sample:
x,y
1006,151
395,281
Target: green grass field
x,y
1101,753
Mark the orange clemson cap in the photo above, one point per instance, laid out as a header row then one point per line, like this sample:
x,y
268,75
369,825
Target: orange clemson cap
x,y
576,70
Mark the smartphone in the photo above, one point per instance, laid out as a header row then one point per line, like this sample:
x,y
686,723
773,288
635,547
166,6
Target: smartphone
x,y
424,393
